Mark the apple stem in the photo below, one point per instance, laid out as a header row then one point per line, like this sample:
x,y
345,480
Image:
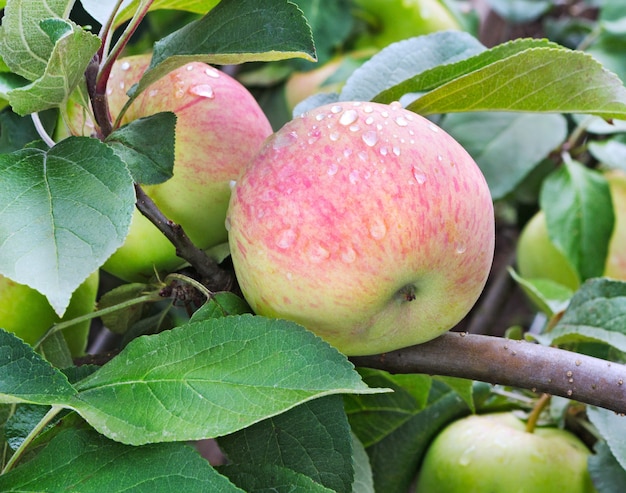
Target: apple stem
x,y
213,276
533,418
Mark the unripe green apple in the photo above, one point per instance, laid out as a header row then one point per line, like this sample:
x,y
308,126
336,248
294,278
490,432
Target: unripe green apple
x,y
538,258
219,127
494,453
27,313
395,20
364,222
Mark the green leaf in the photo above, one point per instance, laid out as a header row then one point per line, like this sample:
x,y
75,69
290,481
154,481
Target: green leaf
x,y
63,212
463,387
82,460
548,296
121,320
520,11
146,145
543,79
18,131
235,31
211,378
363,479
403,60
611,152
506,146
271,478
313,439
579,216
612,428
27,377
222,304
73,49
22,422
606,473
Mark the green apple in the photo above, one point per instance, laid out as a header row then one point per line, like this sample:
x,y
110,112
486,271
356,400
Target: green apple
x,y
494,453
27,313
219,127
364,222
394,20
538,257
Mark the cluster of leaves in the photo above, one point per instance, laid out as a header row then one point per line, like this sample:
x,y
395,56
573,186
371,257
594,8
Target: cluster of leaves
x,y
286,408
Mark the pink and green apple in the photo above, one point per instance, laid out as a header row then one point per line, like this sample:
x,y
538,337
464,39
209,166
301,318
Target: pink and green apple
x,y
27,313
539,258
364,222
219,127
494,453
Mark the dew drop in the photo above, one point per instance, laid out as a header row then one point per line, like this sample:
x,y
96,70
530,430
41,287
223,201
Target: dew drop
x,y
348,117
461,248
396,150
189,68
347,152
419,175
109,91
395,105
125,65
348,255
367,108
318,254
378,230
383,151
362,155
122,85
385,114
286,238
439,157
227,223
370,138
353,176
320,116
401,122
433,127
283,140
232,184
335,109
212,72
332,169
369,120
334,136
354,128
153,92
202,90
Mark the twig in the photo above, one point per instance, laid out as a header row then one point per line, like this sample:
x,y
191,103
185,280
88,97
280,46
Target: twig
x,y
519,364
214,277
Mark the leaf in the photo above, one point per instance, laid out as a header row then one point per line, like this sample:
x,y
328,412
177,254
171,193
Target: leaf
x,y
271,478
596,312
606,473
27,377
548,296
63,212
463,387
122,319
211,378
73,49
18,131
612,428
506,146
222,304
545,79
363,479
404,59
146,145
520,11
235,31
313,439
579,216
82,460
22,422
611,152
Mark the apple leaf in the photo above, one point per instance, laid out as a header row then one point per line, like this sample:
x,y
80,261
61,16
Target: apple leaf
x,y
549,296
210,378
579,216
82,460
596,312
73,48
221,304
17,132
235,31
606,472
363,478
146,145
122,319
541,79
271,478
506,146
27,377
612,428
403,60
63,212
313,439
610,152
396,429
25,418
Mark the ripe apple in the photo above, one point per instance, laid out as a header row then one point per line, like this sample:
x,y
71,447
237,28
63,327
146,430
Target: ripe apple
x,y
219,127
27,313
394,20
494,453
538,258
364,222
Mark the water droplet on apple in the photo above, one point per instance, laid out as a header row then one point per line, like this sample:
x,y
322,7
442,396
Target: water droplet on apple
x,y
334,136
212,72
433,127
122,85
109,91
385,114
362,155
378,229
439,157
284,139
419,175
368,108
189,68
466,457
395,105
348,255
396,150
370,138
232,184
153,92
348,117
335,109
369,120
354,128
125,65
347,152
461,248
401,122
227,223
320,116
286,238
202,90
317,254
332,169
354,176
383,151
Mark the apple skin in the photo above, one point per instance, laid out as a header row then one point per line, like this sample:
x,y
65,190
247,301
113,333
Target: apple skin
x,y
396,20
538,258
365,223
219,127
494,453
27,313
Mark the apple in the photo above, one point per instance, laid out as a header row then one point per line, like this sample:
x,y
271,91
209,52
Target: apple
x,y
494,453
27,313
364,222
219,127
539,258
394,20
